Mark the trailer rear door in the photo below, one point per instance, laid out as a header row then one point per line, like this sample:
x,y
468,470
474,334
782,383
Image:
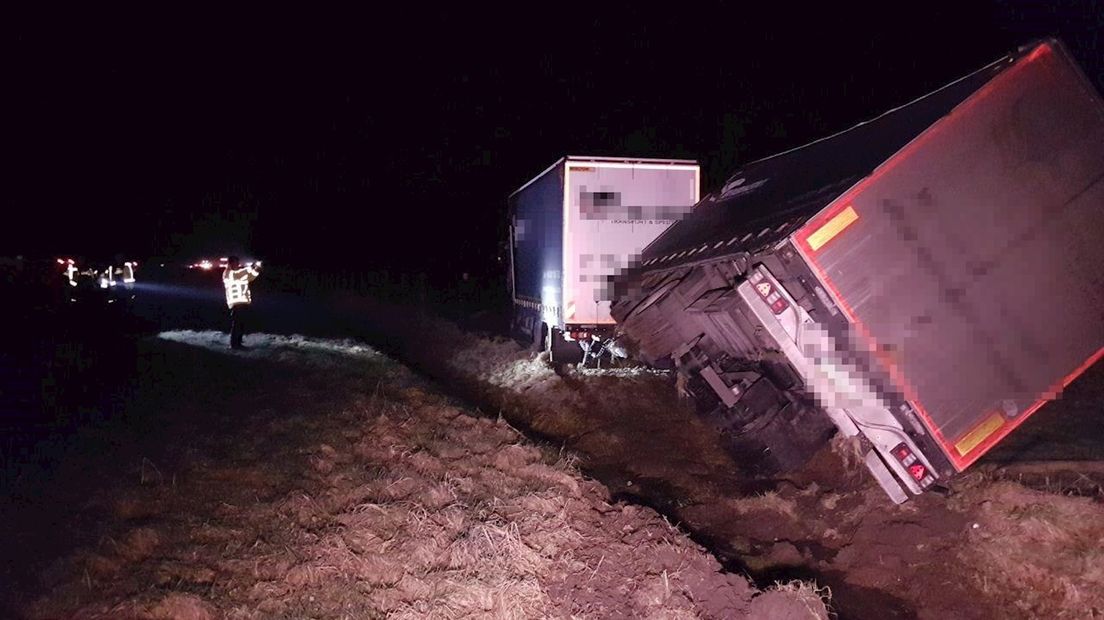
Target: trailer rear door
x,y
971,261
613,211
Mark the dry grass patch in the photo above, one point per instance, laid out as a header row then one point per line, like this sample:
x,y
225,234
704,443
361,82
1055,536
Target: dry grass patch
x,y
399,505
1043,552
770,501
792,600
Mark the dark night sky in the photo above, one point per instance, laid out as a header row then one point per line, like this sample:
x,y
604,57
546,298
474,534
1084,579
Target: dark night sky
x,y
393,137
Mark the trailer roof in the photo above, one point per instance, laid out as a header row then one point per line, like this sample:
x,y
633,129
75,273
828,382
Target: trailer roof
x,y
608,160
632,160
796,184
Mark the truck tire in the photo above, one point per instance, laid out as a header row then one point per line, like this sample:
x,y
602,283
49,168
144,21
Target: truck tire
x,y
766,433
540,338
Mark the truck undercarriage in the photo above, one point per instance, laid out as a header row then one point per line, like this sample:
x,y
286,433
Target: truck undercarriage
x,y
764,373
921,282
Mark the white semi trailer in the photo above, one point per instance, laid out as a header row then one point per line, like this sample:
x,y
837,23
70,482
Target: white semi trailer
x,y
572,228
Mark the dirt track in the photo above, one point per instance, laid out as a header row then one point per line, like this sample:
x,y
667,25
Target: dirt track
x,y
318,478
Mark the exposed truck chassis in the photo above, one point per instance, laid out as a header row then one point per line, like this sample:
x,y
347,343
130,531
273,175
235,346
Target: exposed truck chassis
x,y
762,371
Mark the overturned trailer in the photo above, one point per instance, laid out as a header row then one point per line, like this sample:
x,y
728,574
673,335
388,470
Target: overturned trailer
x,y
922,282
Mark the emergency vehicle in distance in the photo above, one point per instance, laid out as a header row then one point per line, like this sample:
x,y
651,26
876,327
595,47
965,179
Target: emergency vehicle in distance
x,y
206,264
922,282
117,280
572,227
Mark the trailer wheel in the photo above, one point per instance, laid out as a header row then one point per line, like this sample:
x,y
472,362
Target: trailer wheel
x,y
540,338
522,336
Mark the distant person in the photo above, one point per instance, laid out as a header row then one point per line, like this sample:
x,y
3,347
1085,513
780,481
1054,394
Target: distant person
x,y
128,277
236,279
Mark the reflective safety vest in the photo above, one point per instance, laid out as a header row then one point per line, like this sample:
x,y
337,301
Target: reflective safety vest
x,y
237,282
128,272
71,273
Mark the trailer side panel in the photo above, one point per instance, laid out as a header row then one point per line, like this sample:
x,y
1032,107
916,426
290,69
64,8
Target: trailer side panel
x,y
538,247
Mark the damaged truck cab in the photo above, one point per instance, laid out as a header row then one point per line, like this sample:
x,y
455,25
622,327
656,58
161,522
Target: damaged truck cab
x,y
922,282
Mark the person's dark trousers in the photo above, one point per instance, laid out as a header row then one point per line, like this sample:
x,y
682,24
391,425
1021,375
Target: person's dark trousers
x,y
238,316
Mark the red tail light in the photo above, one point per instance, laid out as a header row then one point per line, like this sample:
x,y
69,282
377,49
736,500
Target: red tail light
x,y
917,471
767,292
913,465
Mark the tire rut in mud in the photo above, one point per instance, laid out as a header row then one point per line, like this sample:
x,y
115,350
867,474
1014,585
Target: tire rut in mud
x,y
648,448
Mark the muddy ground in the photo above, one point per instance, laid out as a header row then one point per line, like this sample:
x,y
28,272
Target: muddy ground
x,y
314,478
1019,536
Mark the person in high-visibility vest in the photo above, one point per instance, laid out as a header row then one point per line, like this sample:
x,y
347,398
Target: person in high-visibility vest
x,y
128,272
70,270
236,279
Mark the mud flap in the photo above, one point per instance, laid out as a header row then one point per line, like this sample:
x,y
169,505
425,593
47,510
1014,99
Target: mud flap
x,y
562,350
885,478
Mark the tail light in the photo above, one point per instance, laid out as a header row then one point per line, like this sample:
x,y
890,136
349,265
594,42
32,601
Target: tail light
x,y
767,293
913,465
